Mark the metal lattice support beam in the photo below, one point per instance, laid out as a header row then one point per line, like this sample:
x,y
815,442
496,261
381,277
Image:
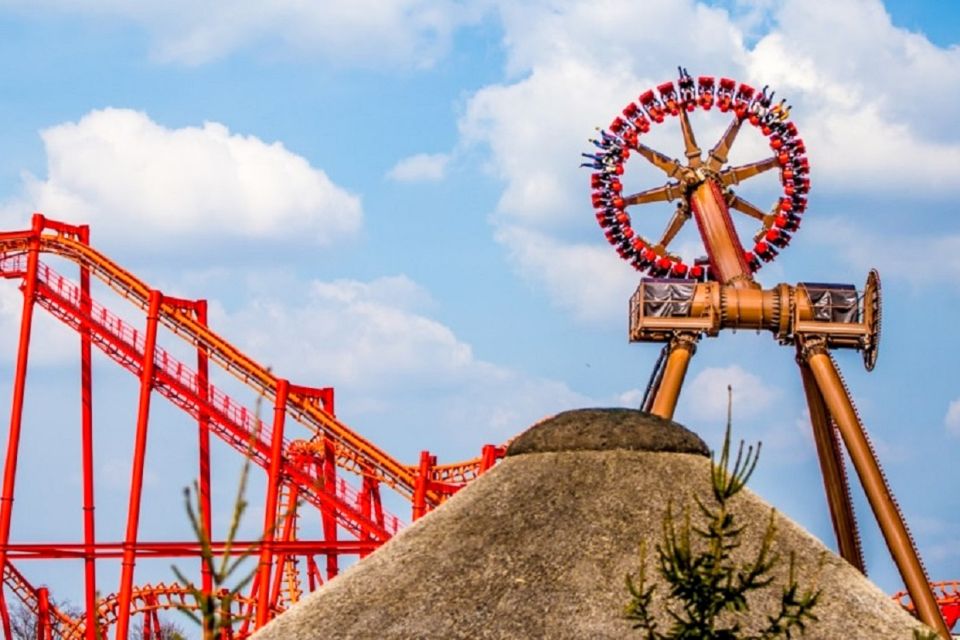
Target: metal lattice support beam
x,y
354,520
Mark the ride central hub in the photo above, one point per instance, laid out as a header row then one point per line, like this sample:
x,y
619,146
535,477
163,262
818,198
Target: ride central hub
x,y
840,314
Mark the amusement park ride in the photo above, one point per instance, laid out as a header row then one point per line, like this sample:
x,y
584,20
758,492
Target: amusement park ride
x,y
304,449
680,303
307,452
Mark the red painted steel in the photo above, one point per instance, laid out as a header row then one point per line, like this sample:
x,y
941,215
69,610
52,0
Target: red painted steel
x,y
199,308
16,409
273,495
86,413
328,518
179,549
299,470
30,597
420,492
43,615
947,594
285,560
139,459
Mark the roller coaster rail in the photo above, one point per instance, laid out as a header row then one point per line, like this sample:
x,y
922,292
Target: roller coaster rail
x,y
302,470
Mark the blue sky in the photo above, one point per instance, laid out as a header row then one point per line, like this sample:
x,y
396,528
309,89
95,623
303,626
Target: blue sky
x,y
384,197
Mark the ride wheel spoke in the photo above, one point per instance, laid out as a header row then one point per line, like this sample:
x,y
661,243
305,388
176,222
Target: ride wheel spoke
x,y
693,152
745,206
669,166
719,153
666,193
680,217
701,172
736,175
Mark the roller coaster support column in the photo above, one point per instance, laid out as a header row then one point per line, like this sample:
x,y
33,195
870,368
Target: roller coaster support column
x,y
43,614
139,459
682,348
288,517
488,457
423,480
727,262
370,505
203,385
151,620
86,426
834,475
16,408
894,531
270,511
328,516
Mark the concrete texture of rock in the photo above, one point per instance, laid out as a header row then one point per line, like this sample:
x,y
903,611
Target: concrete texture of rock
x,y
606,429
539,546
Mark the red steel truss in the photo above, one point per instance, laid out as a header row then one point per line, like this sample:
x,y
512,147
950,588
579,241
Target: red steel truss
x,y
306,469
947,594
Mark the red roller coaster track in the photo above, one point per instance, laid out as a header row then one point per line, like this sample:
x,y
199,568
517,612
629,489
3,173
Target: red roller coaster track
x,y
947,594
302,467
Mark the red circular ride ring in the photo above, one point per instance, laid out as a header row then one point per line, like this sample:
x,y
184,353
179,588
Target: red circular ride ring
x,y
654,107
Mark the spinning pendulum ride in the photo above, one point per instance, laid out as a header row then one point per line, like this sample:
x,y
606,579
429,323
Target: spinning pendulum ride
x,y
679,303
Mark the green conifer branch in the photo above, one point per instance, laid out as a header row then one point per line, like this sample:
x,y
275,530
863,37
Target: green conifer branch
x,y
707,589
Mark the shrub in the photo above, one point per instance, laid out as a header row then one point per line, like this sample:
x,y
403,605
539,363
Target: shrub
x,y
707,588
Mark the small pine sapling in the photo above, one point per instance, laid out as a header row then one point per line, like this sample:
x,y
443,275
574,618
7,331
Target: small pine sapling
x,y
213,608
212,612
706,587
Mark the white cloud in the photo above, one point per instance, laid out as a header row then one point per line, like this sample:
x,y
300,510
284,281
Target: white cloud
x,y
854,54
858,83
606,36
374,340
364,336
894,256
577,67
536,130
589,281
397,33
751,395
862,101
131,177
631,398
423,167
952,419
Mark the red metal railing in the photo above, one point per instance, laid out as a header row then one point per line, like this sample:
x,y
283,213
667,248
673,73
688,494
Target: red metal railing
x,y
303,469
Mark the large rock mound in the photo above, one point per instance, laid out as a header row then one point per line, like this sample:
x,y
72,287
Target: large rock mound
x,y
539,546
